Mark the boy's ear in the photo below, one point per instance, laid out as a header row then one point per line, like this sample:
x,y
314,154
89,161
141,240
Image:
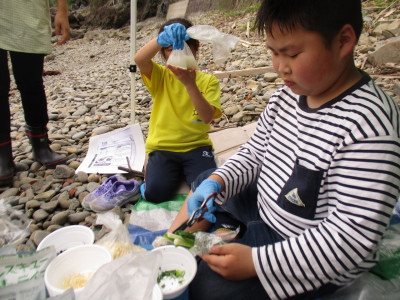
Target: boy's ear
x,y
347,40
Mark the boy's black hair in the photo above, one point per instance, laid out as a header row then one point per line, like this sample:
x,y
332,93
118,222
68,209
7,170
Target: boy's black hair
x,y
325,17
191,42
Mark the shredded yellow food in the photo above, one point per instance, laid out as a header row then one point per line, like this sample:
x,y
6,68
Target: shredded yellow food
x,y
119,249
76,281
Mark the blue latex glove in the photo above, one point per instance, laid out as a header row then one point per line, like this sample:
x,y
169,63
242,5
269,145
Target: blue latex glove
x,y
205,189
174,35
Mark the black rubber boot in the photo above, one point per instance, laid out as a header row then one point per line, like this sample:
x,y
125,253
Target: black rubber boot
x,y
7,166
40,146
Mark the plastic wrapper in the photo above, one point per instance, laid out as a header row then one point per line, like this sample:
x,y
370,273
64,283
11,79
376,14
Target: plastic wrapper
x,y
183,59
388,266
27,290
383,281
202,240
14,225
368,287
118,240
133,278
222,43
22,275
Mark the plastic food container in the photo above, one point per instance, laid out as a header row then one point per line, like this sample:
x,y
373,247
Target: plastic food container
x,y
68,237
79,262
177,258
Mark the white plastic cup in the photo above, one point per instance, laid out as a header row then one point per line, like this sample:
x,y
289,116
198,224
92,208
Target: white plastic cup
x,y
177,258
68,237
84,259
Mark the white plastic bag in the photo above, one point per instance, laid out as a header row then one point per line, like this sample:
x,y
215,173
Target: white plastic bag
x,y
223,43
183,59
118,240
14,225
130,277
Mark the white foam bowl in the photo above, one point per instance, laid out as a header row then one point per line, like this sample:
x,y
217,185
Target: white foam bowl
x,y
84,260
68,237
177,258
157,293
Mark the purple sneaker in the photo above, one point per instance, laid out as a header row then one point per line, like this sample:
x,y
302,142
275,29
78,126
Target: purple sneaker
x,y
100,190
121,193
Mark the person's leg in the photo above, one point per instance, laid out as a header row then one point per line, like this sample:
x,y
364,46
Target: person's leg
x,y
4,94
7,167
197,161
163,175
28,74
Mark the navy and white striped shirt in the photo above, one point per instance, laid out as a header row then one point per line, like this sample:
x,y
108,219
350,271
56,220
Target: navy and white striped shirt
x,y
328,180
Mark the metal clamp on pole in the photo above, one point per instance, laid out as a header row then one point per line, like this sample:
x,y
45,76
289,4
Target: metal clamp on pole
x,y
132,68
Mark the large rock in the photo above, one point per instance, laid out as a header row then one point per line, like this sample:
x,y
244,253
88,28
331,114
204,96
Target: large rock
x,y
389,52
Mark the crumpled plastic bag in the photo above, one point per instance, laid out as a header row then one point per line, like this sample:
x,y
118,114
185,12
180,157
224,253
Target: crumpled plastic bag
x,y
133,278
183,59
14,225
388,266
223,43
204,240
118,240
368,287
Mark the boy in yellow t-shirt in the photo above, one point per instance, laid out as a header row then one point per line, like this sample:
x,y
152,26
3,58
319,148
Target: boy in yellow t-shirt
x,y
184,104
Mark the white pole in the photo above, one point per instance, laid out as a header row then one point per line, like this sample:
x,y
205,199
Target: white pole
x,y
132,66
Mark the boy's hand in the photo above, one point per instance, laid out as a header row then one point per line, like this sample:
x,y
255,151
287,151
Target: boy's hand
x,y
174,35
187,77
205,189
231,261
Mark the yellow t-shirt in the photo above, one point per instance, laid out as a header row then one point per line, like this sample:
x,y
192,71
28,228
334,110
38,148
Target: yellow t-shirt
x,y
25,26
174,123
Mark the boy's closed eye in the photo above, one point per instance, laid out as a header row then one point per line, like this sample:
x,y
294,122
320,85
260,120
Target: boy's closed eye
x,y
284,51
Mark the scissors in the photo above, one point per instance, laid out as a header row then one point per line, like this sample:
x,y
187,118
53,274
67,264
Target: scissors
x,y
197,214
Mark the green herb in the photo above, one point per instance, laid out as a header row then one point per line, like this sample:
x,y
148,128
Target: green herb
x,y
173,274
181,238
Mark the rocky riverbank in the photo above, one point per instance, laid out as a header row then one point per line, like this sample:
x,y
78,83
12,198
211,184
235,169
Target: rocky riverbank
x,y
88,85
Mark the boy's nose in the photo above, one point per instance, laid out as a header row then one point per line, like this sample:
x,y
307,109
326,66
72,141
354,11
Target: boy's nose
x,y
284,68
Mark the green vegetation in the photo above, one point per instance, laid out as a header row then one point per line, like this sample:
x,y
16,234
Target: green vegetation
x,y
181,238
379,4
53,3
383,3
242,11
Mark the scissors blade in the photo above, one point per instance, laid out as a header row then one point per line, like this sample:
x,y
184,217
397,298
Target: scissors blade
x,y
182,227
196,217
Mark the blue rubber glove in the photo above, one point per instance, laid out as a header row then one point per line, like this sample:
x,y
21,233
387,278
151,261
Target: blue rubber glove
x,y
205,189
174,35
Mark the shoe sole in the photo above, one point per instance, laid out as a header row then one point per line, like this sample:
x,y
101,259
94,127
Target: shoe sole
x,y
7,180
52,165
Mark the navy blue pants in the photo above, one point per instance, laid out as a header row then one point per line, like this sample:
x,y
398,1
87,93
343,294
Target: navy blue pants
x,y
241,209
28,74
166,170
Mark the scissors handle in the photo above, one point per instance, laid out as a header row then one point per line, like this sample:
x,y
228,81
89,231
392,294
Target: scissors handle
x,y
202,209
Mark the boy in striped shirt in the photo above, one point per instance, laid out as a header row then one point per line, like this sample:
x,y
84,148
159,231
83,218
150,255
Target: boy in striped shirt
x,y
314,188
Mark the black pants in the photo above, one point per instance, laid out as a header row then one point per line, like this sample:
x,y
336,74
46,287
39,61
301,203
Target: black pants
x,y
28,74
165,171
